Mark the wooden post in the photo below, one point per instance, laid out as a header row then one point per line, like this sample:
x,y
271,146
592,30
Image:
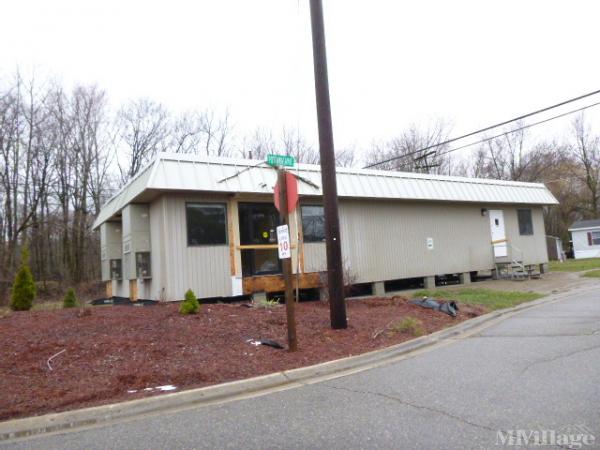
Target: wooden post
x,y
335,270
287,265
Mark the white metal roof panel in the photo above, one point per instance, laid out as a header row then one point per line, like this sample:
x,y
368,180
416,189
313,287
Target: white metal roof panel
x,y
175,172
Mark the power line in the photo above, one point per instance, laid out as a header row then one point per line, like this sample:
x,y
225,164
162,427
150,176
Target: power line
x,y
518,129
506,122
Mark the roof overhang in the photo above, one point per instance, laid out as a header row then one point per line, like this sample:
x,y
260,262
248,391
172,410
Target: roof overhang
x,y
184,173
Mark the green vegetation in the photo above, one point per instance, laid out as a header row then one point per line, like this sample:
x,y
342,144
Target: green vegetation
x,y
190,305
574,265
409,325
591,274
264,303
23,289
485,297
70,301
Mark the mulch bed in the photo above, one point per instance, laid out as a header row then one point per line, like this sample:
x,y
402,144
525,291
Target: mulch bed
x,y
122,348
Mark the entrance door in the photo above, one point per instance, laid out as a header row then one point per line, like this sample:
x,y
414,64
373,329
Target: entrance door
x,y
258,238
498,233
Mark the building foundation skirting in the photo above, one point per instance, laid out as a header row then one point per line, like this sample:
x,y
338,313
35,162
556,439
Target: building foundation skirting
x,y
429,282
465,278
259,297
379,288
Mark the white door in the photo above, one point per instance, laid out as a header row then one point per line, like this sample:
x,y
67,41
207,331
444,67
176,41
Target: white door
x,y
498,233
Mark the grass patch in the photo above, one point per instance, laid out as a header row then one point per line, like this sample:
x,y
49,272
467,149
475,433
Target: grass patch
x,y
591,274
574,265
265,303
486,297
409,325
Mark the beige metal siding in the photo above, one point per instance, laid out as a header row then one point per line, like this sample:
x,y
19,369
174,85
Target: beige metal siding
x,y
110,245
120,288
204,269
388,240
533,247
157,289
315,257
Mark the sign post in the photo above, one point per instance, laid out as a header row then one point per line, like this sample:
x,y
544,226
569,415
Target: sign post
x,y
285,253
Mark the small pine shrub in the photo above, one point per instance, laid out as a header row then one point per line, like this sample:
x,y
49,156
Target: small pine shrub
x,y
190,305
23,289
70,301
409,325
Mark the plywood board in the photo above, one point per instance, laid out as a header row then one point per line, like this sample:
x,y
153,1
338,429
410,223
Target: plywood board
x,y
275,283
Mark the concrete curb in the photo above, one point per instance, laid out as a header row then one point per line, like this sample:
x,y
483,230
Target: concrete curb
x,y
20,428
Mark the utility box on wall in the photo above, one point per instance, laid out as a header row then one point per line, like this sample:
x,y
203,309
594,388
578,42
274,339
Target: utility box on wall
x,y
136,242
111,241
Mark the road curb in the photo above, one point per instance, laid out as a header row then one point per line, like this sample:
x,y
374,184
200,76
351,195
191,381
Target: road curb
x,y
49,423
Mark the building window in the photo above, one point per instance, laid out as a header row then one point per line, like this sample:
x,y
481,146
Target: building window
x,y
260,262
258,233
594,238
142,265
206,223
525,222
313,223
116,269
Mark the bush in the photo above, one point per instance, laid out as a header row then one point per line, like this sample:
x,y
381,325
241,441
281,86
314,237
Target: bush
x,y
190,305
70,301
23,289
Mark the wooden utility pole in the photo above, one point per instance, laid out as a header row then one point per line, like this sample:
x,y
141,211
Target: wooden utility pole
x,y
287,264
335,270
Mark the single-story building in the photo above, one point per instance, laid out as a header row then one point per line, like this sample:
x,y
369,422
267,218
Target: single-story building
x,y
208,224
585,235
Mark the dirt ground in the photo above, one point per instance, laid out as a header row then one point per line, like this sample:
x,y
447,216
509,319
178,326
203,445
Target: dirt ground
x,y
117,352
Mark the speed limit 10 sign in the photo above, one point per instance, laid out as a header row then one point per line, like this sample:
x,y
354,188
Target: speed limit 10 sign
x,y
283,241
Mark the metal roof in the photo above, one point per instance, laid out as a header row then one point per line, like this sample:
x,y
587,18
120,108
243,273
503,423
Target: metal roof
x,y
176,172
585,224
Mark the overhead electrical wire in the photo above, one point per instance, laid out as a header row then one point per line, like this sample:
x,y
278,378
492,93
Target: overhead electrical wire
x,y
518,129
491,127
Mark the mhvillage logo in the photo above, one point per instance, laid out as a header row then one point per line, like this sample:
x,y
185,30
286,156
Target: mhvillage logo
x,y
575,437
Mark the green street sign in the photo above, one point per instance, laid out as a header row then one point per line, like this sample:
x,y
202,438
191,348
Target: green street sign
x,y
281,160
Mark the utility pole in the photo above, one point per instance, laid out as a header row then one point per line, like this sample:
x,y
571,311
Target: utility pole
x,y
335,270
284,217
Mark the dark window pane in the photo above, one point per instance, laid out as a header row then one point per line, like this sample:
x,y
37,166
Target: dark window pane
x,y
258,223
142,265
206,224
595,238
525,222
116,269
260,262
313,223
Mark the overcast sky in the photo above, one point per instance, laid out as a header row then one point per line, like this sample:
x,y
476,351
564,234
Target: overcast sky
x,y
391,63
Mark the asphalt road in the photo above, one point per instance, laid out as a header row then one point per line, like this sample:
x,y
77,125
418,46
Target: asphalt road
x,y
537,370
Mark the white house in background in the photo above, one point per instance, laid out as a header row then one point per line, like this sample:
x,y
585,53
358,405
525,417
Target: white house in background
x,y
586,239
209,224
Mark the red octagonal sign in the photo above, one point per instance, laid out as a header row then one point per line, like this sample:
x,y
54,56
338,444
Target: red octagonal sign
x,y
292,192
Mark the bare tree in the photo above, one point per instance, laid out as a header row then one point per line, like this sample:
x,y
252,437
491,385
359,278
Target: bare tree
x,y
143,128
345,157
414,150
258,145
294,144
586,150
511,157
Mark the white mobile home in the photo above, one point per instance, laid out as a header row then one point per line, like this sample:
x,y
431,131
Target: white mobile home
x,y
209,224
586,238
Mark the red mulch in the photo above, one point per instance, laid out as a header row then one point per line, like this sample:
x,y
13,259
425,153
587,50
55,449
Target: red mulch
x,y
121,348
